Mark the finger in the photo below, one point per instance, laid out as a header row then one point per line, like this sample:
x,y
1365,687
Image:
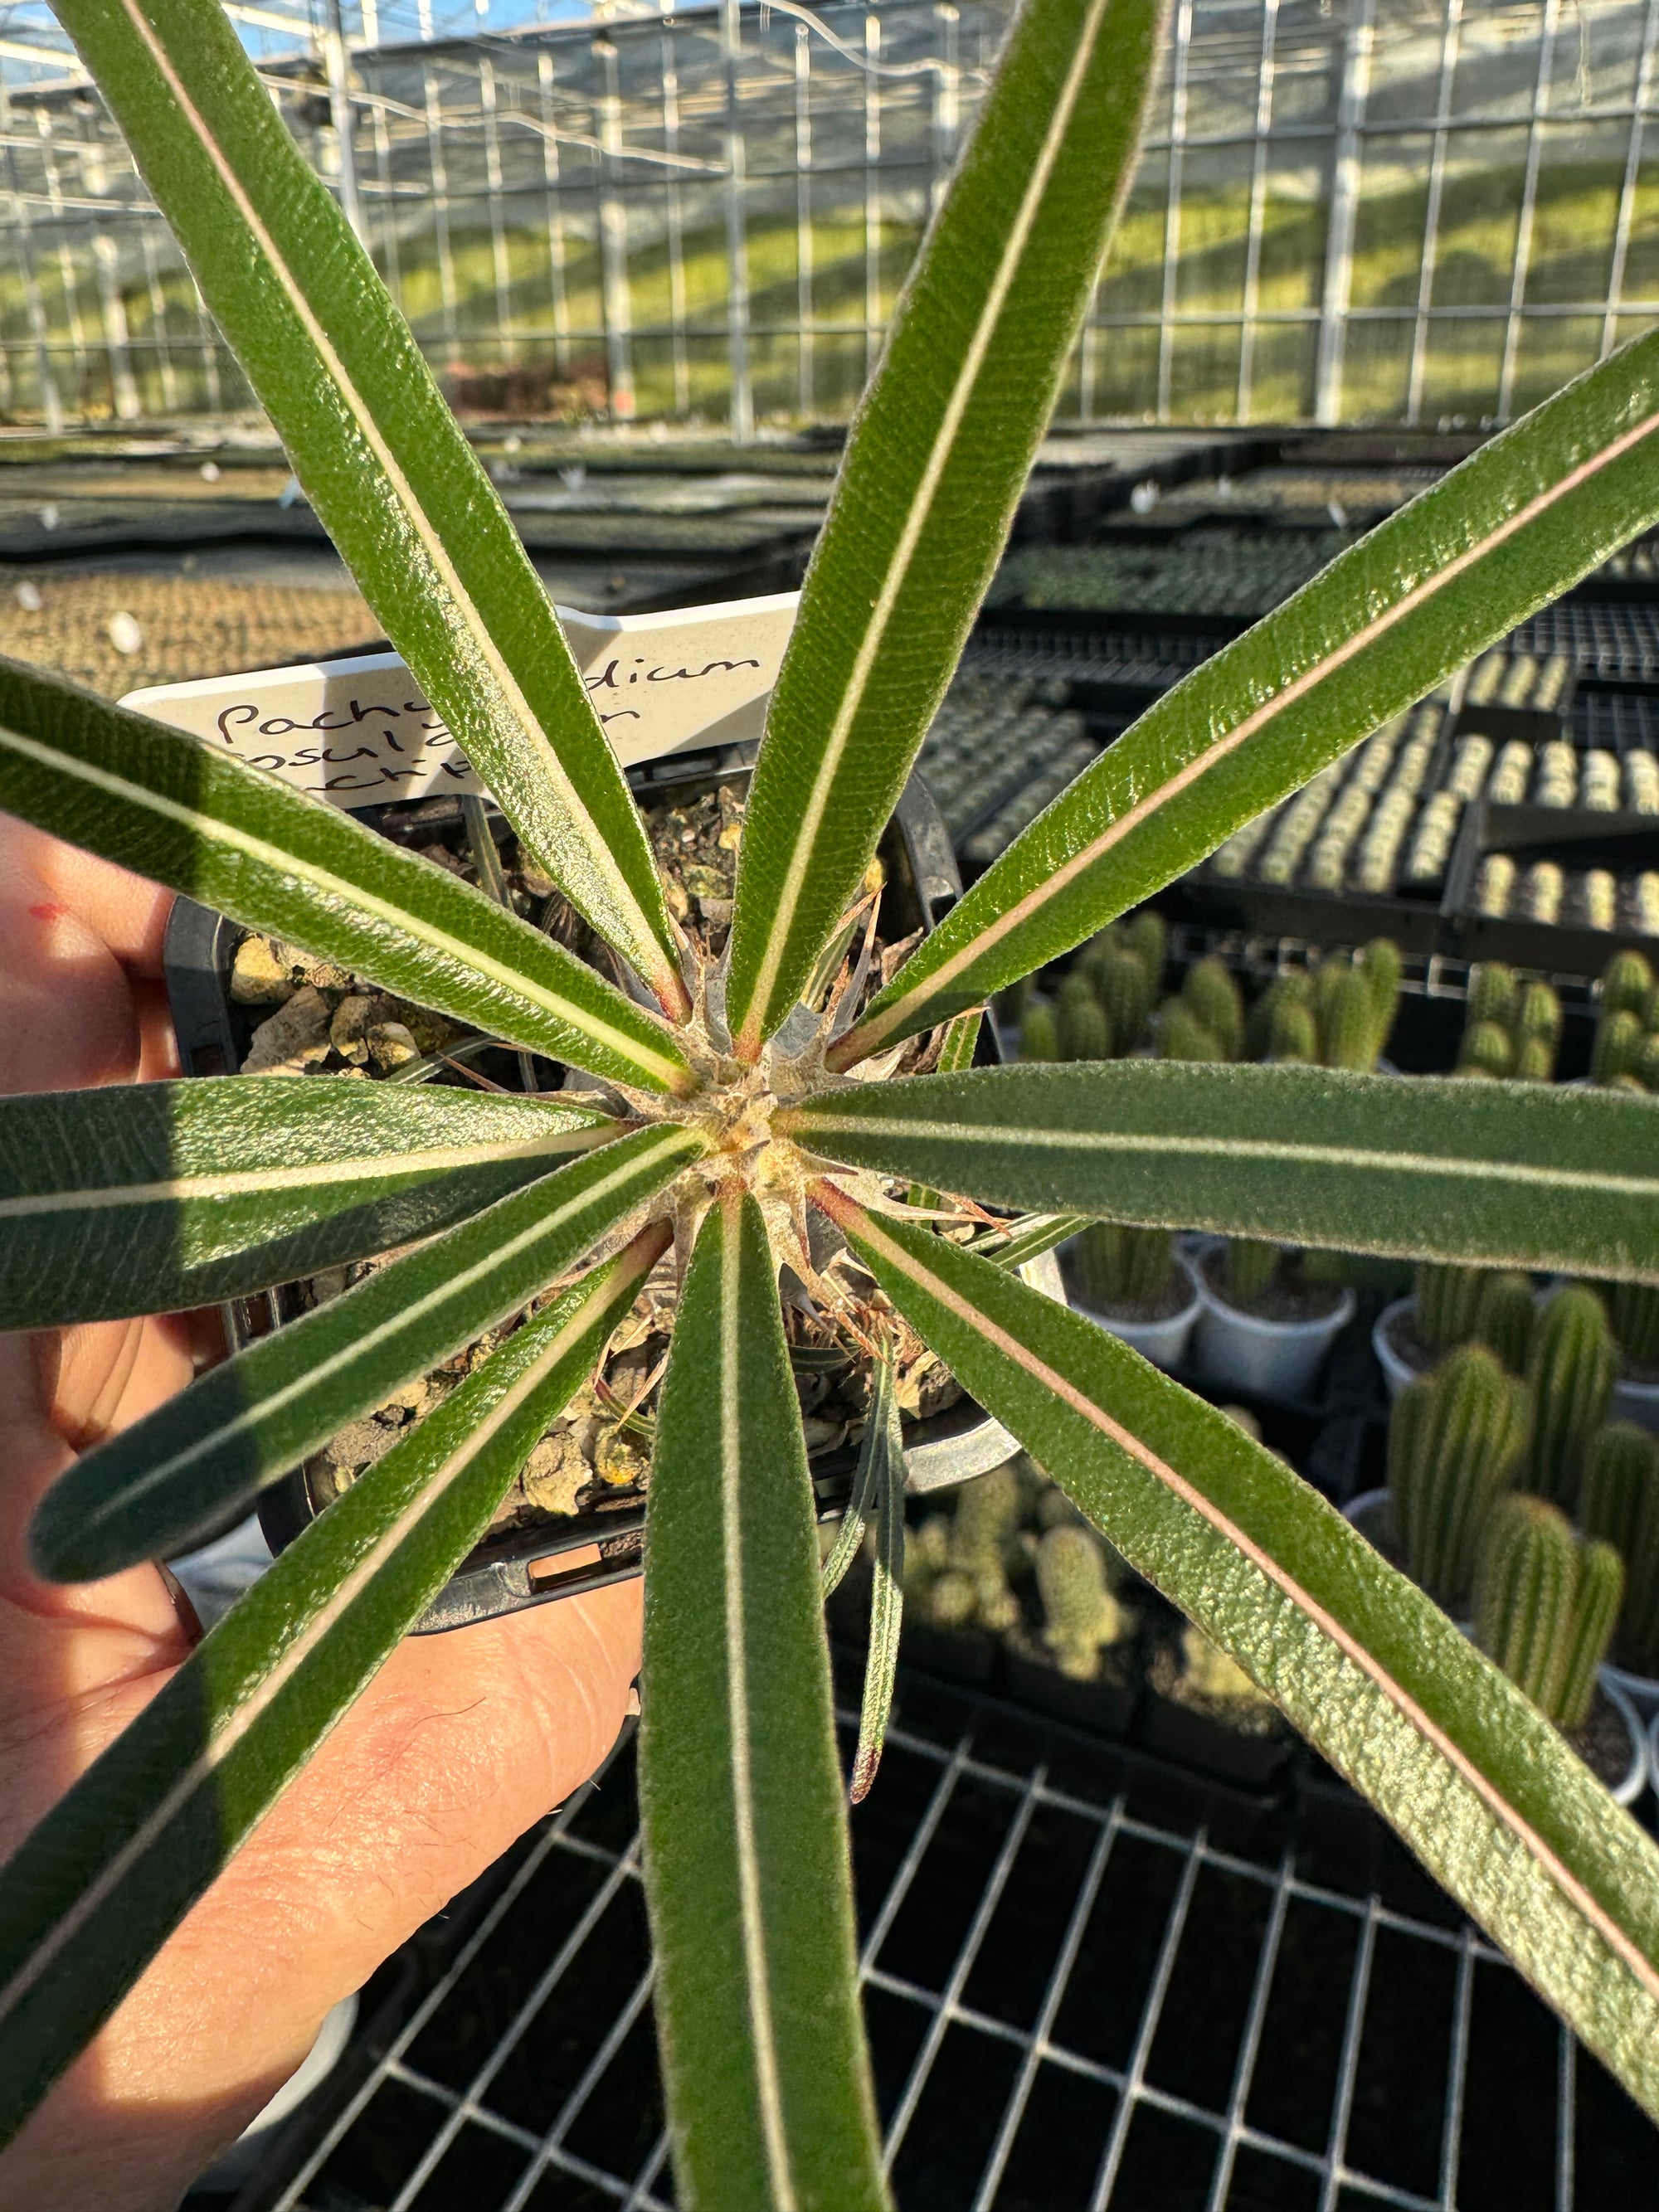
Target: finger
x,y
126,913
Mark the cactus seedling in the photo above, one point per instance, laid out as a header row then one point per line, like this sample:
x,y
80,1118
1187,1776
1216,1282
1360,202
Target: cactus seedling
x,y
1447,1303
1248,1271
1545,1605
1540,1015
1148,938
1504,1318
1039,1035
1350,1023
1620,1038
1293,1035
1207,1669
1380,965
1494,995
1620,1493
1080,1616
1633,1309
1487,1048
1571,1369
1455,1439
1128,994
1626,984
982,1539
1181,1036
1293,989
1214,997
1080,1028
1118,1269
1535,1060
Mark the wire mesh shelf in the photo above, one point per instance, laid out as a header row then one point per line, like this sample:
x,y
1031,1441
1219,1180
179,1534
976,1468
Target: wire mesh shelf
x,y
1091,1981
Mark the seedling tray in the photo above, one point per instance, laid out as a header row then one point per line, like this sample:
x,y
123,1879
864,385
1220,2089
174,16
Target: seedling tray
x,y
1576,839
1094,1983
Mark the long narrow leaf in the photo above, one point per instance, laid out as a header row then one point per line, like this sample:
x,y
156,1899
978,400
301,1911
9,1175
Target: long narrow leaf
x,y
887,1592
151,1197
205,824
933,471
157,1486
1514,1174
768,2085
111,1871
1481,1787
1499,538
383,461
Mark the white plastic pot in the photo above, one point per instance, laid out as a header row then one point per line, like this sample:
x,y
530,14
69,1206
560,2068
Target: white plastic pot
x,y
1636,1401
1369,1512
1276,1359
1642,1690
1396,1371
1636,1778
1163,1342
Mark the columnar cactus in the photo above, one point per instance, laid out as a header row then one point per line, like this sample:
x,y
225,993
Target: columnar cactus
x,y
982,1539
1350,1023
1626,984
1248,1270
1505,1316
1456,1440
1545,1605
1620,1493
1380,965
1148,938
1293,1035
1620,1038
1571,1369
1181,1036
1447,1303
1540,1015
1633,1310
1039,1035
1081,1031
1535,1061
1080,1617
1293,989
1119,1269
1214,997
1494,995
1487,1050
1127,993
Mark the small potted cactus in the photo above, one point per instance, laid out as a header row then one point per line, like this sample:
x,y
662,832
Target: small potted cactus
x,y
959,1599
1618,1503
1546,1603
1512,1029
1136,1286
1205,1711
1080,1664
1571,1369
1449,1306
1626,1023
1265,1324
1456,1439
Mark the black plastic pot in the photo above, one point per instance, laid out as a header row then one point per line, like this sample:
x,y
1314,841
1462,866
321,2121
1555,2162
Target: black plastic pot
x,y
507,1573
1249,1759
1103,1708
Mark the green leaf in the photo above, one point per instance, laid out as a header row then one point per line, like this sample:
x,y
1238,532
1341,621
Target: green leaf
x,y
382,459
932,473
1478,1783
109,1875
151,1197
1511,1175
1027,1238
768,2085
956,1049
162,803
887,1590
153,1489
1536,508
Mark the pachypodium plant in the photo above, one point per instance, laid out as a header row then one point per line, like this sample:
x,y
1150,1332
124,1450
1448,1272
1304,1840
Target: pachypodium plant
x,y
724,1113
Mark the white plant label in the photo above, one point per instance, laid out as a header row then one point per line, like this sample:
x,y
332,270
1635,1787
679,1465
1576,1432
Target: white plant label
x,y
359,731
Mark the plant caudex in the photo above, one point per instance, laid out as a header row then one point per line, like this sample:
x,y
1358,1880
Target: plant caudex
x,y
764,1139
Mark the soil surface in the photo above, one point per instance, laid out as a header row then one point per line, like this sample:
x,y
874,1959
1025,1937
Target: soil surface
x,y
1173,1301
1604,1741
1401,1332
1289,1297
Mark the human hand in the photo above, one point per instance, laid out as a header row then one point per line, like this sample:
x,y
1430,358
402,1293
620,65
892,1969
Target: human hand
x,y
459,1744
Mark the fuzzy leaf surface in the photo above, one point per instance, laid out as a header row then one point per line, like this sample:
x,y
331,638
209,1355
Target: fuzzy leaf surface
x,y
934,467
1485,1792
104,1880
151,1197
1533,510
383,461
203,823
154,1488
768,2085
1511,1175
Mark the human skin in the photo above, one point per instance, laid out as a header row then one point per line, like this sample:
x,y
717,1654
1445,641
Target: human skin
x,y
460,1743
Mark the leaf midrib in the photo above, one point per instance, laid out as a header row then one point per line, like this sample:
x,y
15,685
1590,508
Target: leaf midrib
x,y
329,886
240,1721
255,1182
864,1040
1571,1885
597,852
897,575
